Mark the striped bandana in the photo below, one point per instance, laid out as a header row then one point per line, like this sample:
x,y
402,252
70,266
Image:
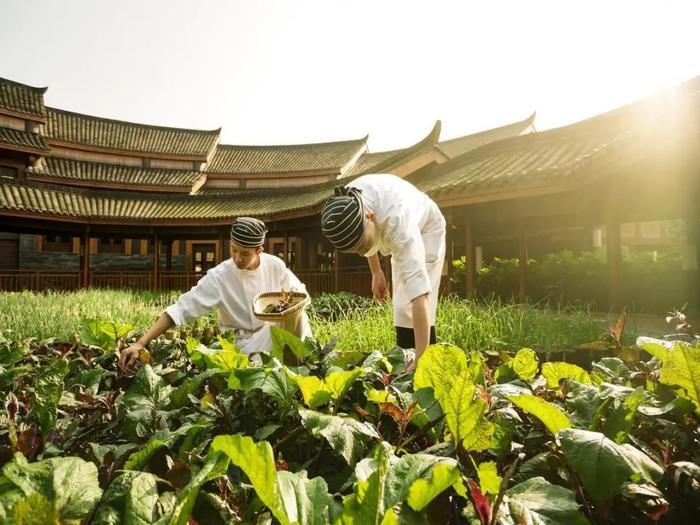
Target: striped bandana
x,y
342,218
248,232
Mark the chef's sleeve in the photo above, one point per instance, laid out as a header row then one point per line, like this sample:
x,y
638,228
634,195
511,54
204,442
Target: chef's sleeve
x,y
200,300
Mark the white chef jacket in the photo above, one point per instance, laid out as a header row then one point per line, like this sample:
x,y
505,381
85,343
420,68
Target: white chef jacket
x,y
231,290
411,229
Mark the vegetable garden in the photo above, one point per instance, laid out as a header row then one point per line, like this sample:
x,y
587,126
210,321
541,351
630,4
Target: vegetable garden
x,y
324,433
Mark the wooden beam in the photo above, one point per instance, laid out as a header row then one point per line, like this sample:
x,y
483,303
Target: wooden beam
x,y
522,265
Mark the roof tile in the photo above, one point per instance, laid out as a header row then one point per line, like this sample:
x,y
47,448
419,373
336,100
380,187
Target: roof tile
x,y
21,98
326,156
66,126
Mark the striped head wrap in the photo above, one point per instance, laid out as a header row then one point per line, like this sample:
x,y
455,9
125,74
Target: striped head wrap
x,y
248,232
342,218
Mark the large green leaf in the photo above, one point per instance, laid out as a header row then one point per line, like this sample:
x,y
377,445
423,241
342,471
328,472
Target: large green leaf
x,y
525,364
36,509
101,333
224,359
340,382
600,463
69,484
314,390
347,437
258,462
538,502
291,497
274,382
422,491
215,466
147,391
180,396
282,338
439,367
366,505
305,500
489,480
464,414
550,414
131,498
555,372
47,388
681,368
418,476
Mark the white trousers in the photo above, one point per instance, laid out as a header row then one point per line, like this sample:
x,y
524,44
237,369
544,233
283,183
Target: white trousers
x,y
434,244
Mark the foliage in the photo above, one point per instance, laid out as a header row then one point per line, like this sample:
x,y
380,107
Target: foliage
x,y
198,433
654,280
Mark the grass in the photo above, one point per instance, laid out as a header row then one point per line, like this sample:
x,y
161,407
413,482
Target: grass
x,y
484,326
490,326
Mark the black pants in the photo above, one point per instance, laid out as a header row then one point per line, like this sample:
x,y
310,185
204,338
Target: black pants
x,y
405,338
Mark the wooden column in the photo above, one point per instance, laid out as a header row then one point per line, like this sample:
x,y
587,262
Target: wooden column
x,y
156,261
336,270
522,265
285,248
85,258
614,247
470,253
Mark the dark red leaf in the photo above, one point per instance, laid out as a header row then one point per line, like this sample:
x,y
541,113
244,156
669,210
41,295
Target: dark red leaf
x,y
480,501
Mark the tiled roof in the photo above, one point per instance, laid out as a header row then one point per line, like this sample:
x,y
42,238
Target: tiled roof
x,y
69,170
324,156
72,202
460,145
66,126
572,154
383,161
12,138
21,98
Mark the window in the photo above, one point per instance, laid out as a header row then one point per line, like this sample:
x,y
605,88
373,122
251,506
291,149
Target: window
x,y
9,172
57,243
203,257
111,245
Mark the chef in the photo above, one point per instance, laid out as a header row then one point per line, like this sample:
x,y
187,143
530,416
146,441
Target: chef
x,y
386,214
230,287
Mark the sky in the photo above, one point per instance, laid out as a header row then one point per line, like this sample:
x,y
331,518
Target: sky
x,y
300,71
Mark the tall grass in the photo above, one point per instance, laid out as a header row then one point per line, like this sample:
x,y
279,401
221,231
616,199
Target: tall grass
x,y
58,314
489,326
485,326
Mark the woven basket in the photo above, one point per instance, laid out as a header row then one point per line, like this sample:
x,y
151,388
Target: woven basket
x,y
263,299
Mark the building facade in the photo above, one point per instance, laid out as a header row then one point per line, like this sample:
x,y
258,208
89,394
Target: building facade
x,y
90,201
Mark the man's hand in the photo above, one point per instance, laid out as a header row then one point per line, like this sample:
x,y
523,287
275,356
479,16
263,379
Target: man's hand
x,y
129,356
379,287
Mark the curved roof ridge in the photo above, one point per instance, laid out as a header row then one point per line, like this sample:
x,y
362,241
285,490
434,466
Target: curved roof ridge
x,y
301,145
524,122
40,90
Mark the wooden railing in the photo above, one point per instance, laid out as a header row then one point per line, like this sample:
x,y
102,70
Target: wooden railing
x,y
18,280
179,280
357,280
131,280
